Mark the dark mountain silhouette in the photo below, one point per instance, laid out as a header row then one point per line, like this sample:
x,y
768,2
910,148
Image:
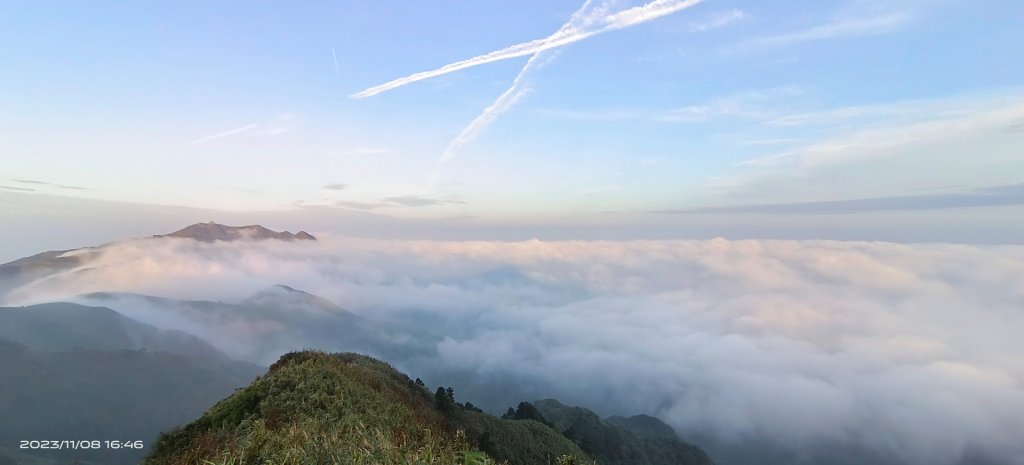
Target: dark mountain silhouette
x,y
210,232
65,326
73,372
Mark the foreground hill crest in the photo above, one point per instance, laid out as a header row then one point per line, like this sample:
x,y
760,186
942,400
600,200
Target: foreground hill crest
x,y
345,408
211,232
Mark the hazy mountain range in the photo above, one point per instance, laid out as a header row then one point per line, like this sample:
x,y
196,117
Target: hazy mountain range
x,y
74,372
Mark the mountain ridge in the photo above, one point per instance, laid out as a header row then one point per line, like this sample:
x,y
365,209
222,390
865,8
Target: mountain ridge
x,y
259,328
73,372
63,326
21,271
212,232
346,408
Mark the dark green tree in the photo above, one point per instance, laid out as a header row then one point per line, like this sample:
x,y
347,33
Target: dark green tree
x,y
444,400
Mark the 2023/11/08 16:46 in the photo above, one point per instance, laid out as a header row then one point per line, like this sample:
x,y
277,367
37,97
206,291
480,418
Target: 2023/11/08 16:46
x,y
84,444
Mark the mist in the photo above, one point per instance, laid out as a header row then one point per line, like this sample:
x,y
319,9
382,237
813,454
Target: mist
x,y
909,352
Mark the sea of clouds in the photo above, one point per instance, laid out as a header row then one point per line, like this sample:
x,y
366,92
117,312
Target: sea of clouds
x,y
911,352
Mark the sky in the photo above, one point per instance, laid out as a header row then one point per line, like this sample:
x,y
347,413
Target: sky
x,y
644,119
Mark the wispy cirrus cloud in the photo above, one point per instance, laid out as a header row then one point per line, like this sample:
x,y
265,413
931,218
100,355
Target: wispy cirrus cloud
x,y
754,105
399,201
565,36
20,189
48,184
285,122
995,196
220,135
365,151
838,28
903,148
719,20
420,201
598,190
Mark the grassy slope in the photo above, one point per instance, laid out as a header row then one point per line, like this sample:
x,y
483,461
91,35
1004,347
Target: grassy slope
x,y
315,408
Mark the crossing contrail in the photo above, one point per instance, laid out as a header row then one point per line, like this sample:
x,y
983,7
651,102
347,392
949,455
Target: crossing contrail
x,y
564,36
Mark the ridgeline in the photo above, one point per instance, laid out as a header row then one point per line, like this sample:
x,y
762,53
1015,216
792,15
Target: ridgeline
x,y
318,408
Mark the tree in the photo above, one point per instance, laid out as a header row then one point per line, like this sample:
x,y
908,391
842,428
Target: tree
x,y
526,411
444,399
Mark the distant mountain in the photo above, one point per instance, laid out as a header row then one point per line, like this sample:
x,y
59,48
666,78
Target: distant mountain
x,y
106,395
73,372
38,266
287,299
639,440
313,407
47,264
65,326
210,232
272,322
644,426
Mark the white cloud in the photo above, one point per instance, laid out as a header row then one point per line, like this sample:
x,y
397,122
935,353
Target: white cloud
x,y
281,124
238,130
719,20
599,190
889,149
843,27
285,122
752,105
365,151
337,68
505,101
565,36
908,351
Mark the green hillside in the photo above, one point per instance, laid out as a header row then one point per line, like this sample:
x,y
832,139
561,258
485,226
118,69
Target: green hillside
x,y
641,440
313,408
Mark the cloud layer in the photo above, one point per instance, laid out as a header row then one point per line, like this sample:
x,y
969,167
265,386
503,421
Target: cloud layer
x,y
909,352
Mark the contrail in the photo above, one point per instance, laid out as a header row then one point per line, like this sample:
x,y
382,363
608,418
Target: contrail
x,y
337,69
509,98
565,36
232,132
501,105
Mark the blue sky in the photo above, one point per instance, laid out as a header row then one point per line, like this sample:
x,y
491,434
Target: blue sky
x,y
713,105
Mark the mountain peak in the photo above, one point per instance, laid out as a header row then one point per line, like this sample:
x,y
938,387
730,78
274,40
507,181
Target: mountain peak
x,y
280,296
210,232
